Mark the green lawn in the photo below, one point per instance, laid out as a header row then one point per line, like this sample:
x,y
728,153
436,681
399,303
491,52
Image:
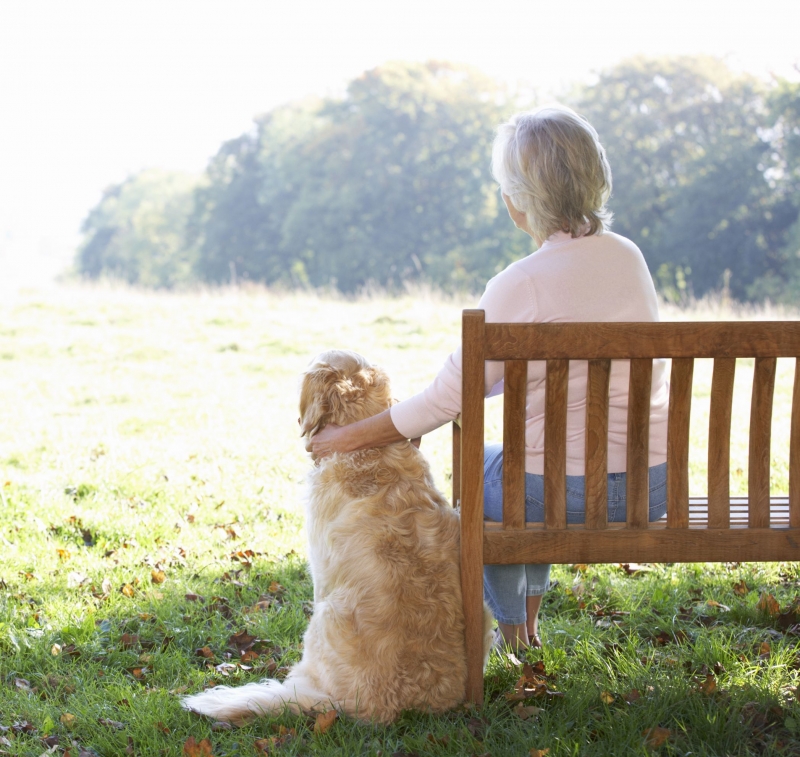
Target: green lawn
x,y
151,475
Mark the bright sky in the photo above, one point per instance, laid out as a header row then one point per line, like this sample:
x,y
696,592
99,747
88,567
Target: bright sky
x,y
92,91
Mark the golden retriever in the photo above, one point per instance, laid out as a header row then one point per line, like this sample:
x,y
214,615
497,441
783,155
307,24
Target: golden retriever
x,y
387,633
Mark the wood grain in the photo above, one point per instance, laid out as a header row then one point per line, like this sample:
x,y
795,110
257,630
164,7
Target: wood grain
x,y
760,434
597,444
680,404
472,498
456,464
794,452
514,396
555,444
589,341
638,488
719,441
636,545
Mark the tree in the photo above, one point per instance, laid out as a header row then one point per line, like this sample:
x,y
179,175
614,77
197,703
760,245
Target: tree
x,y
388,185
690,149
137,231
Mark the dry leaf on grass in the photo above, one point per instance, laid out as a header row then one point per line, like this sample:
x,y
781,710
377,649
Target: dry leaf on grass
x,y
768,604
606,697
655,737
539,752
194,748
523,713
158,576
740,589
324,721
709,685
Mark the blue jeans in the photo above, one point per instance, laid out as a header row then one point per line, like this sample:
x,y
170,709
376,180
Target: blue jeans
x,y
506,586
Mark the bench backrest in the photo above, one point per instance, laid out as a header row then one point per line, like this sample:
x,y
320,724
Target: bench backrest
x,y
514,541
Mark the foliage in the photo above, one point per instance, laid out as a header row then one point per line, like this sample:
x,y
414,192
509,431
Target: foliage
x,y
388,185
699,182
137,232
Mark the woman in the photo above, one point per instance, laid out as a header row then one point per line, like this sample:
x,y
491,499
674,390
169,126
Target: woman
x,y
555,181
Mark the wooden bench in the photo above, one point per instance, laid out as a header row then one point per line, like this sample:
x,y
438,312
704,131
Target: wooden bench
x,y
714,529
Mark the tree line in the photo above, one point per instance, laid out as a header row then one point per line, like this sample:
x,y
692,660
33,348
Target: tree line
x,y
390,184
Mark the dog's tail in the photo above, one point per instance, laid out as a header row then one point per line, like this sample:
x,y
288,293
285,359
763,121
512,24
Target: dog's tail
x,y
238,705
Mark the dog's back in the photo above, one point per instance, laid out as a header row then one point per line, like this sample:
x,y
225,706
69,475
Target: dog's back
x,y
388,626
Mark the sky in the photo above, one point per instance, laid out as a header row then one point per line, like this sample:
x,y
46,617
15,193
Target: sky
x,y
94,91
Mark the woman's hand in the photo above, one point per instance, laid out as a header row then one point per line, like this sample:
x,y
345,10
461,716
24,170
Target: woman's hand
x,y
328,440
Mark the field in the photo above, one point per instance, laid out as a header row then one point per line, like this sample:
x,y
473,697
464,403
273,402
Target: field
x,y
151,474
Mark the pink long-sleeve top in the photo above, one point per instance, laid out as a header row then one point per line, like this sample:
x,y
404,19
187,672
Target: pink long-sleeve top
x,y
590,278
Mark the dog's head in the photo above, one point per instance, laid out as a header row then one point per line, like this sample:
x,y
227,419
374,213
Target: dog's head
x,y
341,387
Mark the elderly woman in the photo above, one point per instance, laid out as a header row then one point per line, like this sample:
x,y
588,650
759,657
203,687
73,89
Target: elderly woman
x,y
555,181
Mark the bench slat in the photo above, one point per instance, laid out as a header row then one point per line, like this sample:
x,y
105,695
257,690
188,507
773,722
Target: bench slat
x,y
680,404
638,490
588,341
514,397
719,440
472,497
555,444
760,434
794,452
456,463
630,545
596,491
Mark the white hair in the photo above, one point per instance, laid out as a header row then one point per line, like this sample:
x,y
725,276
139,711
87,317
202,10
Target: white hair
x,y
553,168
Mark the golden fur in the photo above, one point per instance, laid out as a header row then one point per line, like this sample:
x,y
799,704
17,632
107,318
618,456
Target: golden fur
x,y
387,633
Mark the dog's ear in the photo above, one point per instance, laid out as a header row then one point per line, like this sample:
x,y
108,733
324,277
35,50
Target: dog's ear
x,y
332,395
315,394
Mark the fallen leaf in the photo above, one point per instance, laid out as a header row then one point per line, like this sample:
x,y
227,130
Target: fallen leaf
x,y
204,652
476,727
764,649
158,576
632,696
324,721
194,748
438,740
539,752
242,641
768,604
580,567
632,568
67,719
128,640
655,737
55,650
524,713
276,588
714,603
740,589
76,579
709,685
128,590
63,554
606,697
115,724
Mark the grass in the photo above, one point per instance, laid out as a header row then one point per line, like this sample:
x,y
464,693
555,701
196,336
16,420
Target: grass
x,y
151,477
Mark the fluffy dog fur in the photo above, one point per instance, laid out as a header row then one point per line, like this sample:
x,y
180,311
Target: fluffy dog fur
x,y
387,632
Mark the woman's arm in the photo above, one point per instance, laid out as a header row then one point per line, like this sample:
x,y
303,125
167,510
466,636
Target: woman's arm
x,y
377,431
